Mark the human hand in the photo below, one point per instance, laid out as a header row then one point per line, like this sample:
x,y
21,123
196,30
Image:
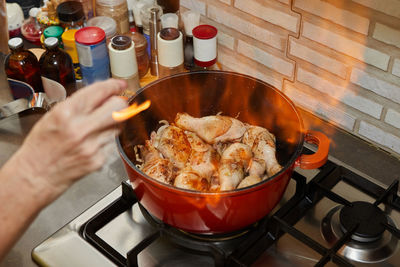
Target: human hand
x,y
67,142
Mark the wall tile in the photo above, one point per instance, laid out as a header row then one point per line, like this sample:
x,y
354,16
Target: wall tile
x,y
379,136
269,13
271,61
339,16
375,84
346,46
390,7
245,27
386,34
314,105
314,57
393,118
340,93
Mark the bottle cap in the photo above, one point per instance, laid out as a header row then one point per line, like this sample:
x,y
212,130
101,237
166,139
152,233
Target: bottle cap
x,y
169,33
15,43
90,35
33,12
70,11
121,42
108,24
51,42
53,31
205,32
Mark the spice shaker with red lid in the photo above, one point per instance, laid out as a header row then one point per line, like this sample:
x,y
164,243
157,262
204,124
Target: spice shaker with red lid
x,y
205,45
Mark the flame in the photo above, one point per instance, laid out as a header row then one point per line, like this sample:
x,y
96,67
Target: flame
x,y
130,111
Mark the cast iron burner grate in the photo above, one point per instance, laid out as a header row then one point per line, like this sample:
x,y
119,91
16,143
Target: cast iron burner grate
x,y
244,249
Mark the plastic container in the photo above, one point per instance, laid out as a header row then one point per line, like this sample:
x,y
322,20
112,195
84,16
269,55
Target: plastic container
x,y
123,62
68,38
116,9
93,55
71,15
31,29
57,71
108,25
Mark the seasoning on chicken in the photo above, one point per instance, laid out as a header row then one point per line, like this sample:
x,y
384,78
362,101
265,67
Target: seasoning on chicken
x,y
262,144
212,153
212,129
234,161
191,180
155,166
203,159
174,145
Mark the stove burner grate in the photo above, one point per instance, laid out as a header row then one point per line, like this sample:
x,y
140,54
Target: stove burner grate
x,y
368,219
250,245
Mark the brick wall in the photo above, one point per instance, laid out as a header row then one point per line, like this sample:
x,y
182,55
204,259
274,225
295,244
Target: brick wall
x,y
339,59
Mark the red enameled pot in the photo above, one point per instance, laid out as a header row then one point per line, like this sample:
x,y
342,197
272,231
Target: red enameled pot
x,y
208,93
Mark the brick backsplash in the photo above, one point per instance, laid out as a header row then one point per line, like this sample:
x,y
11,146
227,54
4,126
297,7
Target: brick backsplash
x,y
339,59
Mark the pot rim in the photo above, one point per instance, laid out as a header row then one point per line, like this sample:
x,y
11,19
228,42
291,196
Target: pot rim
x,y
239,191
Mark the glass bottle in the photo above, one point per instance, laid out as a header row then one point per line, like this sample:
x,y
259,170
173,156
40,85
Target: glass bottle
x,y
23,65
116,9
31,29
57,71
142,57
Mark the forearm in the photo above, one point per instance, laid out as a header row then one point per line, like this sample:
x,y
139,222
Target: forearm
x,y
21,199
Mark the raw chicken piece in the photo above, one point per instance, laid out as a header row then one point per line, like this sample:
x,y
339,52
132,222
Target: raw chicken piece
x,y
191,180
212,129
155,166
203,160
235,159
249,180
174,145
262,143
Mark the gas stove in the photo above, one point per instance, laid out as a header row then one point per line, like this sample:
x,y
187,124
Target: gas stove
x,y
331,216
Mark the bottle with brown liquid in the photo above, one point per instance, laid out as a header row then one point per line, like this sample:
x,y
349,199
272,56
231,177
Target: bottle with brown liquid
x,y
23,65
57,71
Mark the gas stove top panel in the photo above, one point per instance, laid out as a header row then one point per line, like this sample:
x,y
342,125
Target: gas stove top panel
x,y
312,226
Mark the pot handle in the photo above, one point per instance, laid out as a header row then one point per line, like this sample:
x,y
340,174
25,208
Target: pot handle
x,y
319,158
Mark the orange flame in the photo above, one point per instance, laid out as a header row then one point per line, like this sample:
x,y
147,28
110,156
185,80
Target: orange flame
x,y
130,111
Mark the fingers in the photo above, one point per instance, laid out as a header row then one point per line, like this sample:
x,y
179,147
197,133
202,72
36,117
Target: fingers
x,y
89,98
101,118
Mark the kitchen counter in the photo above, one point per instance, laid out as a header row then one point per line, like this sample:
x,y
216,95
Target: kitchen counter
x,y
347,148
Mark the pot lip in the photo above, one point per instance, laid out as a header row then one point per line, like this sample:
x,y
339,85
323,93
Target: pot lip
x,y
240,191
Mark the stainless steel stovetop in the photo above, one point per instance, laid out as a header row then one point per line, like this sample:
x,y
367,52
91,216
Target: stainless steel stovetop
x,y
315,218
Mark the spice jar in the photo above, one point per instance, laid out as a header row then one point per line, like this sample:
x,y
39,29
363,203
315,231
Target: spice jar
x,y
71,15
142,57
123,62
205,46
170,52
116,9
68,38
108,25
92,54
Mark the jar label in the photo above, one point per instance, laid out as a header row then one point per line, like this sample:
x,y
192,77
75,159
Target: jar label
x,y
85,55
54,90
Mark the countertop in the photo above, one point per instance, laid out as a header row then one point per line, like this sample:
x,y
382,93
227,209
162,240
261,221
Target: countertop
x,y
347,148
